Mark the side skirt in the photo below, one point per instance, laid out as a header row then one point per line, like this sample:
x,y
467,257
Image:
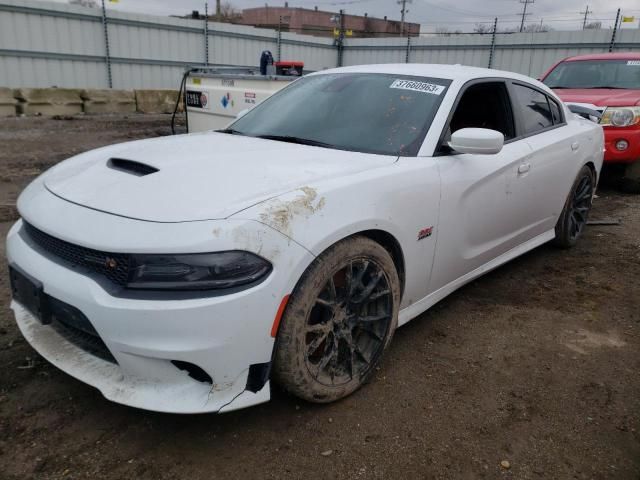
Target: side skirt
x,y
412,311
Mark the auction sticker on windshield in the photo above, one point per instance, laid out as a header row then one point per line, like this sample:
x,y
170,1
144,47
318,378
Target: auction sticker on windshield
x,y
417,86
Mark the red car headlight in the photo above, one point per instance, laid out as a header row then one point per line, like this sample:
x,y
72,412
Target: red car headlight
x,y
620,116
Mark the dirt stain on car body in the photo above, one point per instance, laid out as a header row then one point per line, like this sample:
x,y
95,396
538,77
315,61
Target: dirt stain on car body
x,y
280,213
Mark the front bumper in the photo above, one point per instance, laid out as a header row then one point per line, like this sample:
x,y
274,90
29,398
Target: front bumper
x,y
612,135
223,335
163,391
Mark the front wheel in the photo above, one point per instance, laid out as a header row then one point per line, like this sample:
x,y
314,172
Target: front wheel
x,y
338,322
575,213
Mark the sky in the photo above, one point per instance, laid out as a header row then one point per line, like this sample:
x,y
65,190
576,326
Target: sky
x,y
454,15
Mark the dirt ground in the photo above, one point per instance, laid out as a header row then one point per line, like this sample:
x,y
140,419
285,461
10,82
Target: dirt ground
x,y
536,364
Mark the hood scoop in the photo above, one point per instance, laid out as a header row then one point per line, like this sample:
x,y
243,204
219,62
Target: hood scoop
x,y
131,166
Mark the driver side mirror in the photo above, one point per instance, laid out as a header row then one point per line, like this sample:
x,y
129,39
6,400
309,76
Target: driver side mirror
x,y
478,141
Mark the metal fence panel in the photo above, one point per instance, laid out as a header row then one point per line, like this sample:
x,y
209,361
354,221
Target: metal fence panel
x,y
146,76
238,45
43,72
316,53
45,44
360,51
74,30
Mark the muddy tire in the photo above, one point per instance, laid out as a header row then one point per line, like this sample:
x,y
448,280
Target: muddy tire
x,y
575,213
338,322
630,181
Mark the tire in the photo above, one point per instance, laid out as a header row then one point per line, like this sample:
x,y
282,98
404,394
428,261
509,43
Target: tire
x,y
575,213
630,181
338,321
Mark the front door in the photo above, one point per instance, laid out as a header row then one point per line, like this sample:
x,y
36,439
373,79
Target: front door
x,y
482,195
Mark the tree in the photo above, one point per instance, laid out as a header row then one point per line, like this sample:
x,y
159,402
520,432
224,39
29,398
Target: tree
x,y
85,3
593,26
483,28
537,28
228,13
445,31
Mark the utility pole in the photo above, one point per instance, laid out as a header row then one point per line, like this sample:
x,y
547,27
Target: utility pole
x,y
493,42
341,39
524,11
107,56
279,39
586,13
402,13
206,34
613,34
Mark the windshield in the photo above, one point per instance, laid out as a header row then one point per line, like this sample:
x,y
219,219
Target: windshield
x,y
595,74
364,112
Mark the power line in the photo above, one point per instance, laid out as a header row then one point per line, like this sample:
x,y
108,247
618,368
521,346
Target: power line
x,y
466,13
524,11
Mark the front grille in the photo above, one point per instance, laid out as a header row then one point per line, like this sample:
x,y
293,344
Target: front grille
x,y
73,325
114,266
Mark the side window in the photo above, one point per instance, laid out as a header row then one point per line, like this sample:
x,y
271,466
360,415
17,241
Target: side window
x,y
484,105
536,113
555,111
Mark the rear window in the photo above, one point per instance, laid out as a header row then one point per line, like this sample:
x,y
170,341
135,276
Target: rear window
x,y
595,74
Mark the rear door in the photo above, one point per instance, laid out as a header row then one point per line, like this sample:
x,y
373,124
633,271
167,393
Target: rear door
x,y
547,174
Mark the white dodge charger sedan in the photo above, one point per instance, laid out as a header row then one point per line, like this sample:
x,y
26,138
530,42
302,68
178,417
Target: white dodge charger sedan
x,y
183,274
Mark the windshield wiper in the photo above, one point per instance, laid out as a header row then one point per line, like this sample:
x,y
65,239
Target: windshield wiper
x,y
298,140
230,131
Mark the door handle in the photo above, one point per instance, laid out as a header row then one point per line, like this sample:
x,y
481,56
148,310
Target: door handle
x,y
524,168
575,146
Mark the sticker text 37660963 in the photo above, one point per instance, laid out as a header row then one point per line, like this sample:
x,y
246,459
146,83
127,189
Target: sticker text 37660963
x,y
418,86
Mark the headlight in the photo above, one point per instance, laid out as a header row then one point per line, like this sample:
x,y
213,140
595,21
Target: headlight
x,y
200,271
620,116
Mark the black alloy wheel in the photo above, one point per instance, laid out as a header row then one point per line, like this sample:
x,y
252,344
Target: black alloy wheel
x,y
575,214
339,319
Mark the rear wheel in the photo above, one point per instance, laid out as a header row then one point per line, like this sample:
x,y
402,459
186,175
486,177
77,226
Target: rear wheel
x,y
573,218
340,318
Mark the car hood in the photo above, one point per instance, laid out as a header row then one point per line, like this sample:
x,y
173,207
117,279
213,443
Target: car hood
x,y
601,97
202,176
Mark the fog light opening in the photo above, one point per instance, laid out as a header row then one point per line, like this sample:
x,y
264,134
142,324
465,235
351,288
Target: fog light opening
x,y
622,145
194,371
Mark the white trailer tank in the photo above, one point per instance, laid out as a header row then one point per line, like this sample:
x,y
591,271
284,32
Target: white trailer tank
x,y
215,96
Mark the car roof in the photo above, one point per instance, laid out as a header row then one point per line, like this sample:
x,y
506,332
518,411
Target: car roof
x,y
451,72
605,56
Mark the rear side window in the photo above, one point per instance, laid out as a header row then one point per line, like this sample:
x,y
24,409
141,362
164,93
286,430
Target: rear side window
x,y
555,111
536,113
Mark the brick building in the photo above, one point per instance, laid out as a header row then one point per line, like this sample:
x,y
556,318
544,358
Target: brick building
x,y
322,23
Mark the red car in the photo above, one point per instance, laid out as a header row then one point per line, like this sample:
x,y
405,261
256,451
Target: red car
x,y
609,83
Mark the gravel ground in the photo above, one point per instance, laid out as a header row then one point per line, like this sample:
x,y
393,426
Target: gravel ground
x,y
532,371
